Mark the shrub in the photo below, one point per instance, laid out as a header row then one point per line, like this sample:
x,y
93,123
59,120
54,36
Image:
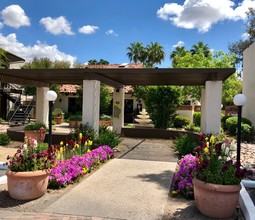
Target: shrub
x,y
192,127
185,144
181,121
35,126
85,130
107,137
231,124
2,120
4,139
223,121
197,118
247,132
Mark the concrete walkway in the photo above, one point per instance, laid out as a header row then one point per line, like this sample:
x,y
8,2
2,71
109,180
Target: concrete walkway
x,y
134,186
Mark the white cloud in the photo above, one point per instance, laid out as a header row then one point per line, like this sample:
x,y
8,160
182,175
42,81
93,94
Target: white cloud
x,y
88,29
39,50
245,36
57,26
112,32
15,16
179,44
202,14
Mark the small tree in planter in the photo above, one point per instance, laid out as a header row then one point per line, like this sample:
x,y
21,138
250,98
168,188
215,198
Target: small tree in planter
x,y
35,130
58,115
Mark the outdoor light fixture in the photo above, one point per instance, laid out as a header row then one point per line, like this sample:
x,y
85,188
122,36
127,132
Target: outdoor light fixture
x,y
239,101
51,96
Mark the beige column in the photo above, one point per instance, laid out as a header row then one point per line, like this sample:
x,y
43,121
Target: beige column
x,y
118,109
91,103
42,105
211,107
249,83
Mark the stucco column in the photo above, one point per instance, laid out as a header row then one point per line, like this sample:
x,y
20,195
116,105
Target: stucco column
x,y
91,103
203,110
42,105
249,82
211,107
118,109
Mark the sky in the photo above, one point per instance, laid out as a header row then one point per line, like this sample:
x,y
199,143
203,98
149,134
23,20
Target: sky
x,y
81,30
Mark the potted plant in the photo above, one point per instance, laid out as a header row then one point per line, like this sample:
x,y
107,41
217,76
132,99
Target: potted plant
x,y
35,130
58,115
75,120
29,169
217,177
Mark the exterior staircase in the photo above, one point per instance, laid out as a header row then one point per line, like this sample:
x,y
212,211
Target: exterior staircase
x,y
20,112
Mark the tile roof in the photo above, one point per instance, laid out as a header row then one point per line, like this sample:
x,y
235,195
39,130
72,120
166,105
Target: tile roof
x,y
68,88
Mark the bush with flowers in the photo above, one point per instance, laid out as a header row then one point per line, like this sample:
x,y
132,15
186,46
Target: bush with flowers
x,y
69,171
182,180
32,156
215,163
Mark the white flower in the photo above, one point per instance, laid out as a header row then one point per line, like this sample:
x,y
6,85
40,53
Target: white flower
x,y
25,147
228,159
226,150
219,158
223,147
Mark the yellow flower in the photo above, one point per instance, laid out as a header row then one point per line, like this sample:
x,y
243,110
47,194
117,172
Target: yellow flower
x,y
206,150
207,144
84,170
80,135
61,143
88,150
212,139
90,142
76,146
61,150
174,192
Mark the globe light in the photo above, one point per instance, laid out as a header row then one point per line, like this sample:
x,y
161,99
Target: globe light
x,y
240,100
51,95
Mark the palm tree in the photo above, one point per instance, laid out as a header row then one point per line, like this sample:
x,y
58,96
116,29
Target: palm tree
x,y
155,54
195,49
136,52
180,52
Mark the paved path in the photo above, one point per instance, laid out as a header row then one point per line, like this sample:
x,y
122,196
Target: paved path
x,y
134,186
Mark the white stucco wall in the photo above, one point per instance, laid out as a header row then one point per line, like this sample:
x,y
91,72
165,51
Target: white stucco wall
x,y
249,83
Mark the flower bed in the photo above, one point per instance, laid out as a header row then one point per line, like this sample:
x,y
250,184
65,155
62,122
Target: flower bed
x,y
70,170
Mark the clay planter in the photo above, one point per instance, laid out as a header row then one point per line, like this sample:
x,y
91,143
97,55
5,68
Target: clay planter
x,y
27,185
38,135
74,123
58,119
216,201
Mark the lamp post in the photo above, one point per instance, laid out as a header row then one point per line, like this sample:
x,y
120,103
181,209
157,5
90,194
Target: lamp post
x,y
51,96
239,101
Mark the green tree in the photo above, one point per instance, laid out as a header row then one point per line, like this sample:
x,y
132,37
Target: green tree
x,y
231,87
179,51
95,62
155,54
239,46
161,103
200,47
105,99
136,52
3,59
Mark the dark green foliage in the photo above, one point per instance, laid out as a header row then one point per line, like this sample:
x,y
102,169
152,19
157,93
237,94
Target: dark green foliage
x,y
197,118
107,137
247,133
192,127
181,121
34,126
185,144
223,121
231,124
161,103
4,139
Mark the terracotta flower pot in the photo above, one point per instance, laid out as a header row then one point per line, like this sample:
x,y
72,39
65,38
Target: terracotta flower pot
x,y
58,120
38,135
214,200
27,185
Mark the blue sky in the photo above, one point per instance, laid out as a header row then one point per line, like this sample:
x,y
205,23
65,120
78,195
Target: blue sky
x,y
80,30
